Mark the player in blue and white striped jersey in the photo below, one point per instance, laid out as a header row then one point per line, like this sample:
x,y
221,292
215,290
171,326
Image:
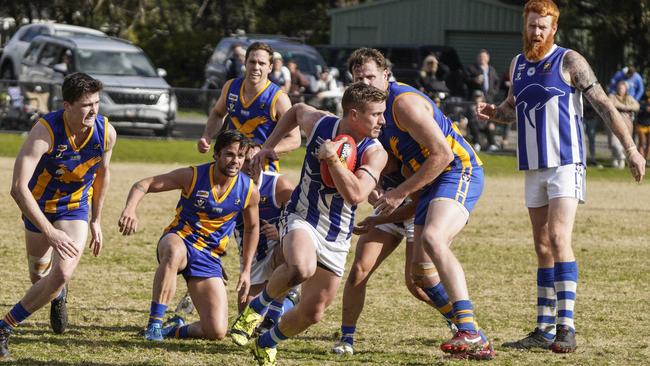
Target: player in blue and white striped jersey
x,y
318,221
548,83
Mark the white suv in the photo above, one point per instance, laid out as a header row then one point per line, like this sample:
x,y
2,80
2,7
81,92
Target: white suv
x,y
13,52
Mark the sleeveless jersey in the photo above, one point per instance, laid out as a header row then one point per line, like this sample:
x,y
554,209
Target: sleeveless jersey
x,y
64,176
205,220
397,140
549,114
269,210
323,207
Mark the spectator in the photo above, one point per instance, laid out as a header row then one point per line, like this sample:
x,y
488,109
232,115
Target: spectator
x,y
65,63
389,68
476,126
299,82
280,74
627,106
633,80
328,93
236,64
431,79
483,76
643,125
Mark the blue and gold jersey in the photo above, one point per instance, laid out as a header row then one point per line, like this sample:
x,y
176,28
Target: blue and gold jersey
x,y
398,141
205,220
254,118
64,176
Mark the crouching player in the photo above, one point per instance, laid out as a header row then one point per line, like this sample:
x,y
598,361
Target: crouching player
x,y
318,221
212,195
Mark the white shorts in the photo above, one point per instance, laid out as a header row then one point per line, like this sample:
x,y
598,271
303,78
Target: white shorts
x,y
543,185
261,270
401,229
331,255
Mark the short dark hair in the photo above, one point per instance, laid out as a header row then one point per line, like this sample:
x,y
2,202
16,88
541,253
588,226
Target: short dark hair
x,y
362,55
77,85
229,137
358,94
257,46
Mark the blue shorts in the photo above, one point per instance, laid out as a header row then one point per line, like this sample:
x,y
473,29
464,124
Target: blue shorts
x,y
199,263
80,213
463,186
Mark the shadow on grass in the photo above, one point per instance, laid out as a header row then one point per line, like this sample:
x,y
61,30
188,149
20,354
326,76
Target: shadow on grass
x,y
31,361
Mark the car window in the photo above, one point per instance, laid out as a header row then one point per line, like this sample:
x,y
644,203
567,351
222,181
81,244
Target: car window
x,y
114,63
404,58
50,55
31,33
32,52
221,52
306,63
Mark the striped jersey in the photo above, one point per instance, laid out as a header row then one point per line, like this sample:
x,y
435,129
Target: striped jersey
x,y
64,176
269,211
400,143
205,220
549,114
254,118
323,207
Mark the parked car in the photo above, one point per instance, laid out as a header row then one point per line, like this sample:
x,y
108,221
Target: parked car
x,y
406,60
135,94
309,61
13,52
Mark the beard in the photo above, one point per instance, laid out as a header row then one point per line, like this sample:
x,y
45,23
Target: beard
x,y
535,51
224,170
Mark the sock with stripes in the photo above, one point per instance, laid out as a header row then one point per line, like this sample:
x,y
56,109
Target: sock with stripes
x,y
440,299
464,315
566,282
546,302
156,313
271,338
347,334
14,317
181,332
276,309
261,302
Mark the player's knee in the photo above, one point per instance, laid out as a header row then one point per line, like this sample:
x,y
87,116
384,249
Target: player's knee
x,y
170,254
314,315
214,334
39,267
558,240
423,274
358,274
434,241
298,274
59,276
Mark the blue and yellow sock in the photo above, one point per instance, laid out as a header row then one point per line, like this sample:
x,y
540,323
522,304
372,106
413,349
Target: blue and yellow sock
x,y
14,317
180,332
546,302
261,302
156,313
347,334
566,283
464,315
440,299
271,338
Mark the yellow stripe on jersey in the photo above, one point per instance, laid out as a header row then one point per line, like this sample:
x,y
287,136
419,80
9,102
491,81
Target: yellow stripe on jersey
x,y
478,160
199,243
247,104
214,187
272,109
75,197
189,192
71,140
221,248
50,205
105,133
394,141
395,102
176,219
248,126
459,151
49,130
248,194
209,226
41,184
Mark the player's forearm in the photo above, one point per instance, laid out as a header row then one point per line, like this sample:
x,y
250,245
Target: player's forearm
x,y
284,126
137,192
504,113
214,124
29,207
251,238
289,142
400,214
100,188
609,115
348,184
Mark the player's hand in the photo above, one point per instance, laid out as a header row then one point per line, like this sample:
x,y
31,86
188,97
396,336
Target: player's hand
x,y
365,225
637,165
203,145
243,286
485,111
261,157
387,203
269,230
96,238
329,149
62,244
128,222
374,195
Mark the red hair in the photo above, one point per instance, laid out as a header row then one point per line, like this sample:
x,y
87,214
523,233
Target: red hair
x,y
543,8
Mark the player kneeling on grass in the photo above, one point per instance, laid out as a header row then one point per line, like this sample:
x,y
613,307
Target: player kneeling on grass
x,y
212,195
60,175
317,224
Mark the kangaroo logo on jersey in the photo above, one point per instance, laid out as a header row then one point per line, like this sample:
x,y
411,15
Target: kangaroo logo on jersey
x,y
535,97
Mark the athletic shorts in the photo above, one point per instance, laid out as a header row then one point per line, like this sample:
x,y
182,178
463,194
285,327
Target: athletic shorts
x,y
399,229
461,186
542,185
330,255
199,264
642,130
261,268
80,213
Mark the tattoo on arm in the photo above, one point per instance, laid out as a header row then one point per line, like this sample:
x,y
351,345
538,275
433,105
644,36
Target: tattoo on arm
x,y
139,187
582,76
505,113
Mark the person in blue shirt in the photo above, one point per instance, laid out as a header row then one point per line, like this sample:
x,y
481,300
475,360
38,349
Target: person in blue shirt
x,y
634,81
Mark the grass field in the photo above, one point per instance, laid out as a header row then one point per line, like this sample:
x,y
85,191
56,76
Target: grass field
x,y
110,295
